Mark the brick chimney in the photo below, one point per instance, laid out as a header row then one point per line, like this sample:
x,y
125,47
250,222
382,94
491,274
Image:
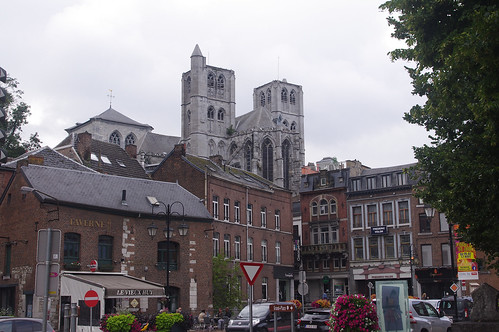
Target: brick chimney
x,y
179,150
131,150
83,144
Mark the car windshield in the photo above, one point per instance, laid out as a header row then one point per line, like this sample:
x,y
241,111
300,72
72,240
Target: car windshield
x,y
315,315
258,311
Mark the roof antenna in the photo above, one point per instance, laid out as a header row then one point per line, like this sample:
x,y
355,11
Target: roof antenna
x,y
110,95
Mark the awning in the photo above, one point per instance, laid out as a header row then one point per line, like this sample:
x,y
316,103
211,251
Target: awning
x,y
114,285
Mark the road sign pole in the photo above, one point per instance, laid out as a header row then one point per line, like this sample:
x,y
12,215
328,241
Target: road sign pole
x,y
47,280
250,307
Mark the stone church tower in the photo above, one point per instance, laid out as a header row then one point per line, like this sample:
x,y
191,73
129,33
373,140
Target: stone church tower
x,y
268,141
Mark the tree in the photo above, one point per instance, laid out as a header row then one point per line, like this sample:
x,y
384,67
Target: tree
x,y
453,55
17,113
226,284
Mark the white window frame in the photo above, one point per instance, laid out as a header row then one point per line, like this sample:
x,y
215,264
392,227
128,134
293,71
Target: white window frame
x,y
226,245
277,219
263,217
237,212
237,248
214,206
278,252
249,214
264,251
249,254
226,209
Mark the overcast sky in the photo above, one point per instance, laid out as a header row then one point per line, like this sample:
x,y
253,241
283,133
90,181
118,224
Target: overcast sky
x,y
68,54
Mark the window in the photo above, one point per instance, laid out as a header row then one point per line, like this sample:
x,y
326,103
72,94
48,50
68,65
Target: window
x,y
115,138
373,248
277,219
444,225
130,140
324,234
405,245
237,212
389,247
105,253
220,82
385,181
188,84
263,217
332,206
426,253
357,216
265,282
424,223
220,114
237,247
358,248
284,95
249,214
323,207
323,181
293,126
372,215
8,259
248,155
278,252
71,249
268,160
262,98
371,183
216,244
226,209
269,96
401,179
211,80
211,113
163,249
226,245
214,207
292,97
286,163
356,185
387,214
446,254
264,251
403,212
250,249
314,208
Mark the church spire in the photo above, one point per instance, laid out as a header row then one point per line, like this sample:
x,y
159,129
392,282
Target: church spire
x,y
197,51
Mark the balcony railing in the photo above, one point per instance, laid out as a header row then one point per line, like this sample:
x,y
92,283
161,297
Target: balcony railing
x,y
317,249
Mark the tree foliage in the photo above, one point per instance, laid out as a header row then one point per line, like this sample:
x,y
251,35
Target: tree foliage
x,y
17,113
453,54
226,283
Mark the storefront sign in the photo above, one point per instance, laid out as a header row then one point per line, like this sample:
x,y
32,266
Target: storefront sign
x,y
379,230
88,223
132,292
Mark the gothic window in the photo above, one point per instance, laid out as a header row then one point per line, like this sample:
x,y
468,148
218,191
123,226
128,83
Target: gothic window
x,y
262,98
115,138
130,139
221,82
188,116
292,97
293,126
248,156
212,146
286,163
233,148
211,112
268,160
284,95
188,84
285,123
211,80
269,96
220,114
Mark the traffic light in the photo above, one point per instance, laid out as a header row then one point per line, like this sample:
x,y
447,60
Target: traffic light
x,y
3,97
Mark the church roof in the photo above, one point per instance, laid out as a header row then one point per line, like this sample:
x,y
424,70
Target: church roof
x,y
254,120
111,115
158,144
197,51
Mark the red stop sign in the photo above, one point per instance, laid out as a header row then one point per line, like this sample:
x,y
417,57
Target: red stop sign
x,y
91,298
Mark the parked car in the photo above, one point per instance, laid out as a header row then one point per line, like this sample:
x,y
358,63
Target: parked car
x,y
464,306
423,317
13,324
263,319
314,320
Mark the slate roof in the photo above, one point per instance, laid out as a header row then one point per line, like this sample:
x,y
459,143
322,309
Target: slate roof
x,y
104,192
112,115
51,158
254,119
375,171
159,144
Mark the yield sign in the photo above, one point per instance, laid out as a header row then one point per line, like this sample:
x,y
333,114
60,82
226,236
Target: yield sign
x,y
251,271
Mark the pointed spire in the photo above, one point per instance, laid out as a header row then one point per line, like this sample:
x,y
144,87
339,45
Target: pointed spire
x,y
197,51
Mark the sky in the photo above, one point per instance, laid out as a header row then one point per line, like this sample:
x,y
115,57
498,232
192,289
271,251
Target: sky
x,y
68,54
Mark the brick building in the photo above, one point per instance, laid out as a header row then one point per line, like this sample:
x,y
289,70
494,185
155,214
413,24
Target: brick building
x,y
104,218
252,217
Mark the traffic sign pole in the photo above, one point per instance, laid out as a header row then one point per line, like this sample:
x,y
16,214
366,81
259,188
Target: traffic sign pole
x,y
91,299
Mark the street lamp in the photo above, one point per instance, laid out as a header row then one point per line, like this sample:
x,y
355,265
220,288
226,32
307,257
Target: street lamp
x,y
48,259
430,212
168,232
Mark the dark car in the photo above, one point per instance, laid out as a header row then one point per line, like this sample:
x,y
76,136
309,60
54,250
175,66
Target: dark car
x,y
263,319
314,320
464,306
13,324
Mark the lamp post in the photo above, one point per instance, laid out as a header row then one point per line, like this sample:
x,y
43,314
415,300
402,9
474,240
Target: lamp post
x,y
168,232
48,252
430,212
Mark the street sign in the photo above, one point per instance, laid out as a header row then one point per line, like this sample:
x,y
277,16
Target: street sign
x,y
251,271
91,298
93,265
303,288
282,307
454,287
41,277
55,245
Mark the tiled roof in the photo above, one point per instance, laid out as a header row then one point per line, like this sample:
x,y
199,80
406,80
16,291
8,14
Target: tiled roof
x,y
104,191
112,115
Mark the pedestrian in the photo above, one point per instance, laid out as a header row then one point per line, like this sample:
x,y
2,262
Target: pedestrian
x,y
227,312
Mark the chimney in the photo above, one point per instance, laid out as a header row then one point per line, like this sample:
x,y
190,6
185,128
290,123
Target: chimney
x,y
179,150
83,144
131,150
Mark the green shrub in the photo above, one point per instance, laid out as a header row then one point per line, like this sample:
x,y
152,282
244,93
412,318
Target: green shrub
x,y
120,323
165,321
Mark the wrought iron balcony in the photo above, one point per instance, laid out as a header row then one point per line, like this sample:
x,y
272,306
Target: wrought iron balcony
x,y
318,249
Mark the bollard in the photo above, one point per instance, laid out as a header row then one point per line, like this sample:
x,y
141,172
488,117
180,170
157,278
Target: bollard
x,y
74,314
67,316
